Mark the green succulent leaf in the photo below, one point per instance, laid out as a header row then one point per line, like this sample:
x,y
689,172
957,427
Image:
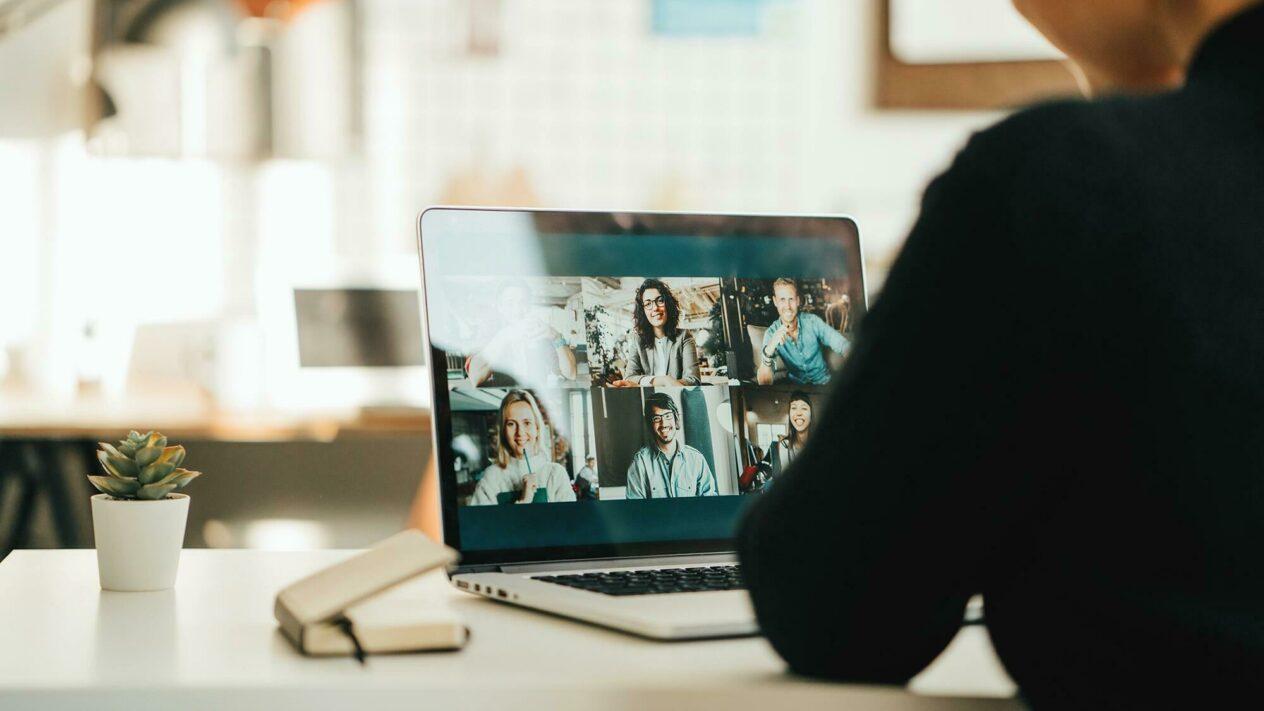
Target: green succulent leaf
x,y
121,488
151,492
181,477
147,455
103,458
109,449
135,437
155,472
118,467
173,455
156,439
126,448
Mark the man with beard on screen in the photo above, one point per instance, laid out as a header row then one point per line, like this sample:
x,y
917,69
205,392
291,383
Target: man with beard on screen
x,y
667,467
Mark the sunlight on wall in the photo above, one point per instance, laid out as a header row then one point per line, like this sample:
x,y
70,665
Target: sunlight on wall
x,y
296,210
20,175
139,238
134,241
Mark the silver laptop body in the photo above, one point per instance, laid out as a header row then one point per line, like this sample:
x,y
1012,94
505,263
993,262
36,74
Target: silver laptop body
x,y
644,462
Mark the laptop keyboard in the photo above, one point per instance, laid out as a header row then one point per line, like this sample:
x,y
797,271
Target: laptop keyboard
x,y
652,582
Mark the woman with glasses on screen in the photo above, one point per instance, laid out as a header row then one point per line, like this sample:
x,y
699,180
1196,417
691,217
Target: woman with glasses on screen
x,y
523,472
658,352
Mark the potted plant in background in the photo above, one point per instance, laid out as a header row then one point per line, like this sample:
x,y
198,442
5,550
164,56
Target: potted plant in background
x,y
137,521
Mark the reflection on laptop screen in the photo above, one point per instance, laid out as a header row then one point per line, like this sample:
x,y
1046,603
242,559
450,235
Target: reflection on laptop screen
x,y
607,387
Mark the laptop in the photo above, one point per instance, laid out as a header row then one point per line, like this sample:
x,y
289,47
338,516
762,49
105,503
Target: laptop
x,y
612,389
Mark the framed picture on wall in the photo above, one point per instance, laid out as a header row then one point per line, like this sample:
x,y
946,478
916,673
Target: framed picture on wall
x,y
966,54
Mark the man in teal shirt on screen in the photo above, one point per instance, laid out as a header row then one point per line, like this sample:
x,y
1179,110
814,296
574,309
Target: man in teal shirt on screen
x,y
667,468
800,340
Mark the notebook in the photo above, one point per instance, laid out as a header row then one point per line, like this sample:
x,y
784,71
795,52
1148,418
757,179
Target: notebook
x,y
361,601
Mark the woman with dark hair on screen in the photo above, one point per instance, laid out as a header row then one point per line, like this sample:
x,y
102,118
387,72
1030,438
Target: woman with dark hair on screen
x,y
1084,446
658,352
798,425
785,448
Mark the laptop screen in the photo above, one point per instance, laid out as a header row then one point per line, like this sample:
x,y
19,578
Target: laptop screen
x,y
616,384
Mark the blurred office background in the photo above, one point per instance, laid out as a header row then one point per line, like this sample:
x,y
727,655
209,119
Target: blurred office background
x,y
174,172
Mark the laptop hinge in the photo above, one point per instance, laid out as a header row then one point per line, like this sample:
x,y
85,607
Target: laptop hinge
x,y
657,560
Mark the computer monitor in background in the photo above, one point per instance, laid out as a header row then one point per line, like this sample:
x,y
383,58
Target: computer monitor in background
x,y
358,327
342,334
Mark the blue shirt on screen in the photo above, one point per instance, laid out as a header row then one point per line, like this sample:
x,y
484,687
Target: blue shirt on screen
x,y
654,475
804,356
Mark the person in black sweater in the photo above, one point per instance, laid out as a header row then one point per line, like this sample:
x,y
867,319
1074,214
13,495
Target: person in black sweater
x,y
1084,444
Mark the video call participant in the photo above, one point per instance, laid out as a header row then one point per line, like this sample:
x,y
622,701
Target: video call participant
x,y
785,448
524,346
800,339
658,352
522,472
667,468
586,486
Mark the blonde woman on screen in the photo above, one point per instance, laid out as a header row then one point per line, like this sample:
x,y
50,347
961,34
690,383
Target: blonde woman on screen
x,y
523,472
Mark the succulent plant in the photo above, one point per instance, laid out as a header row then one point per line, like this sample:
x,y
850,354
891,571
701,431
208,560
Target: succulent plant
x,y
141,467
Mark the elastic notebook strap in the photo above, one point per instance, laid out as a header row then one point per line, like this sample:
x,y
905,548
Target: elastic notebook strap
x,y
348,629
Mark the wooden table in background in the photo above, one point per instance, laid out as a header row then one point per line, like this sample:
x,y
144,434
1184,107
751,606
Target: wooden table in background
x,y
47,443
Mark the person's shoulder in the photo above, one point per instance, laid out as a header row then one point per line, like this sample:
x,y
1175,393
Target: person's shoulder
x,y
690,451
1064,138
494,472
812,319
1072,165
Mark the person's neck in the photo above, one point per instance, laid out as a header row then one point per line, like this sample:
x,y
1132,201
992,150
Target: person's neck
x,y
659,332
1095,83
665,447
1180,28
1186,25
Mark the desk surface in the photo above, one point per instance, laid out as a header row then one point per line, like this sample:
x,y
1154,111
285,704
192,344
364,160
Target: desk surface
x,y
212,643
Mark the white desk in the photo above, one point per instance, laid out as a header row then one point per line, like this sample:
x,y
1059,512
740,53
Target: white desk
x,y
211,643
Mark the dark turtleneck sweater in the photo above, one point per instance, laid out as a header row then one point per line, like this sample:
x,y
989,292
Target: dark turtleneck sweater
x,y
1057,401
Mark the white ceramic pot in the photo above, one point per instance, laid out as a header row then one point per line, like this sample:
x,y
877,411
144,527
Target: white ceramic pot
x,y
139,542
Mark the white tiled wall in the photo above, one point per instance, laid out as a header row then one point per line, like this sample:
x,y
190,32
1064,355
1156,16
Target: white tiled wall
x,y
583,105
595,110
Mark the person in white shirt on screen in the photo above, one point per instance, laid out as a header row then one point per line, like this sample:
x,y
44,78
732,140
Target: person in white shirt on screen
x,y
524,346
522,472
658,352
667,468
586,484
